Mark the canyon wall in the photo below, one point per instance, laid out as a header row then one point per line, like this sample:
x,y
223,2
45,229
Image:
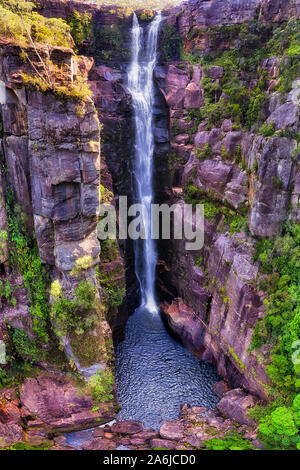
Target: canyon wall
x,y
216,291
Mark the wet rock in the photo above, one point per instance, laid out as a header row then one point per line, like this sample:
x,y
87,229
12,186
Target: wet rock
x,y
127,427
235,405
220,388
98,432
185,323
163,443
99,444
173,430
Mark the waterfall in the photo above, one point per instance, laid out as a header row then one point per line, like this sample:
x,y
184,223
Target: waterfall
x,y
140,85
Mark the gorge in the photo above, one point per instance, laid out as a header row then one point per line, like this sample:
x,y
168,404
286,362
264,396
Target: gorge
x,y
197,104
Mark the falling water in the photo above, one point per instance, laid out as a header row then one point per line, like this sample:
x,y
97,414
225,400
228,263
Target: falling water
x,y
154,373
140,85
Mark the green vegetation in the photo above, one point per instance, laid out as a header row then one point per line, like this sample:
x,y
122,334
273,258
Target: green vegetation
x,y
285,43
100,386
280,429
205,153
171,43
77,314
213,207
6,292
24,258
267,130
25,347
109,250
81,27
280,262
25,27
231,441
76,92
243,85
238,224
28,446
109,42
18,21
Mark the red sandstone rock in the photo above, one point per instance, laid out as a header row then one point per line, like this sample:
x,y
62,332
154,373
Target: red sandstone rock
x,y
220,388
127,427
235,405
98,432
57,403
164,443
99,444
173,430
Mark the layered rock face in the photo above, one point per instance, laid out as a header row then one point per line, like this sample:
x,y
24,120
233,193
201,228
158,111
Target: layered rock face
x,y
52,154
208,14
216,296
51,148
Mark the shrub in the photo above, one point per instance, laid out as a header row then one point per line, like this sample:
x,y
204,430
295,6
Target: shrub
x,y
101,386
81,27
171,43
78,91
26,347
231,441
238,224
6,292
205,153
53,31
267,130
77,314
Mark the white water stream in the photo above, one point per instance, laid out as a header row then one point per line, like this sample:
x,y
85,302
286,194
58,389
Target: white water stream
x,y
140,85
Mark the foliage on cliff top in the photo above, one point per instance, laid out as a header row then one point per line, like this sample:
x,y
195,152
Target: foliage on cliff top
x,y
17,20
138,4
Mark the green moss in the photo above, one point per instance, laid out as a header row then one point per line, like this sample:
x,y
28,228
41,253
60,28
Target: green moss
x,y
237,360
27,446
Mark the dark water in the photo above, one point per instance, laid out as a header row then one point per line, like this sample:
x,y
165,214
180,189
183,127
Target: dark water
x,y
155,374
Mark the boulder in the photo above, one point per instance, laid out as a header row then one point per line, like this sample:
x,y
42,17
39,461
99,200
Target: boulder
x,y
127,427
172,430
58,404
99,444
163,443
235,405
